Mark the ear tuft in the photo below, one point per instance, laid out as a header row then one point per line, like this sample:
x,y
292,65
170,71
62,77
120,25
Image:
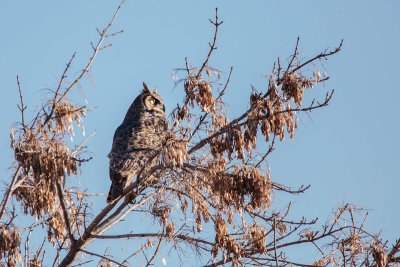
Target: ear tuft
x,y
146,89
155,91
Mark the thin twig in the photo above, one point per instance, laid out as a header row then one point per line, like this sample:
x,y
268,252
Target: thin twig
x,y
143,235
294,55
275,250
270,149
155,252
97,49
225,86
115,33
82,263
394,250
134,254
283,188
343,253
26,258
65,212
311,107
85,194
322,55
8,194
102,257
212,46
78,148
22,107
54,102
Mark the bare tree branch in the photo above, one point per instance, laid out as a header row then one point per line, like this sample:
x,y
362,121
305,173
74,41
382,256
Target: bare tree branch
x,y
60,194
216,23
322,55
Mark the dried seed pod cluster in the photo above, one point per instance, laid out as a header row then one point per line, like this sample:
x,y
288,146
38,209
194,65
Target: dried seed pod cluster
x,y
257,235
47,161
10,241
174,152
162,212
241,187
65,114
198,90
380,256
292,88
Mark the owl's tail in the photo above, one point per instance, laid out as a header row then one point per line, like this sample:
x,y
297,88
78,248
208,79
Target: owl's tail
x,y
116,189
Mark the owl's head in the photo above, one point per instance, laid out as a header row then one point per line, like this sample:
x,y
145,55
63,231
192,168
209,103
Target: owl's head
x,y
152,101
147,102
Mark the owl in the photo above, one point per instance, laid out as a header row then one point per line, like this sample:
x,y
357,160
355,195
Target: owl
x,y
136,140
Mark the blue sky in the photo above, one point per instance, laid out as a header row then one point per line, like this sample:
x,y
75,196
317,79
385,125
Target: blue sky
x,y
347,151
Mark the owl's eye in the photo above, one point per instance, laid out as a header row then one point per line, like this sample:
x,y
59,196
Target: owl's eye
x,y
152,101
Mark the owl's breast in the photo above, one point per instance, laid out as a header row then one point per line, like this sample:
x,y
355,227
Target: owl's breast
x,y
149,133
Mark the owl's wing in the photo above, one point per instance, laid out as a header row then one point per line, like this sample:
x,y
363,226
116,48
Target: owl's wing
x,y
124,166
122,163
130,161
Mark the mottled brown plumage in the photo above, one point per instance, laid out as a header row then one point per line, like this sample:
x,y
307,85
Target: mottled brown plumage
x,y
136,140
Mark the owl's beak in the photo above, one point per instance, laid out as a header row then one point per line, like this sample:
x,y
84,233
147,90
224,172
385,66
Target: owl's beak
x,y
160,110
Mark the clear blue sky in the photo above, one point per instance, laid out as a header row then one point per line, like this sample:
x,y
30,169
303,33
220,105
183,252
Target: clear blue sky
x,y
348,150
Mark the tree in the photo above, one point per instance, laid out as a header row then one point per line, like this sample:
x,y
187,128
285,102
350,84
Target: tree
x,y
209,166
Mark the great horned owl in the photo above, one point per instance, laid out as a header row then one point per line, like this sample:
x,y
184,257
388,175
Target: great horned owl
x,y
136,140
